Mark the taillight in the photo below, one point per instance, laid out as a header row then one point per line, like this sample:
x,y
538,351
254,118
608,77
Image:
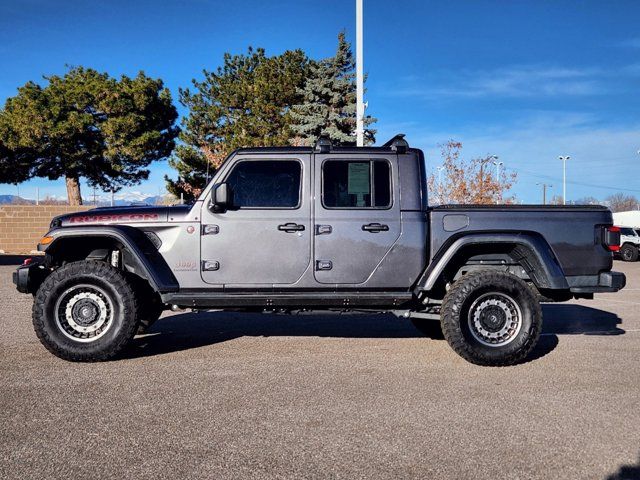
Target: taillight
x,y
612,238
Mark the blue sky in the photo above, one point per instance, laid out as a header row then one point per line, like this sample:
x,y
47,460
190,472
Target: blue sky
x,y
525,80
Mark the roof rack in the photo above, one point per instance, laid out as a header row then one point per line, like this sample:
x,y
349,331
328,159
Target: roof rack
x,y
323,144
397,143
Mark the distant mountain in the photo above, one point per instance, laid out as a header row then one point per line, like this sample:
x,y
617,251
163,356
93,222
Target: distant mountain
x,y
121,200
126,200
8,199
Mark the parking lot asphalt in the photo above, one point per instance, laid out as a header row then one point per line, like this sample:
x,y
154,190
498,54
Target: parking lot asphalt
x,y
219,395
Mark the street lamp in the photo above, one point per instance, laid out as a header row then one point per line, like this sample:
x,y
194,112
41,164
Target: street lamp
x,y
497,164
359,77
440,192
564,177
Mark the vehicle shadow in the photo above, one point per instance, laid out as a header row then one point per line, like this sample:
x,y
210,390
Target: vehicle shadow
x,y
627,472
178,332
564,319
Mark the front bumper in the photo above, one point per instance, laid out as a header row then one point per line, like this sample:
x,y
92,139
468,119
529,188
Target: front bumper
x,y
27,278
605,282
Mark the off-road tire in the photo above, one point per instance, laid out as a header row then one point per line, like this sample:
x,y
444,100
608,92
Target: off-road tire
x,y
629,253
81,276
457,322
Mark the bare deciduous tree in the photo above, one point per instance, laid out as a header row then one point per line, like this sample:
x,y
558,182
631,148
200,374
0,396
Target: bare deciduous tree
x,y
556,200
587,201
621,202
468,181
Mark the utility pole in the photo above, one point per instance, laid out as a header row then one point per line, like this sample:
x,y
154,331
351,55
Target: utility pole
x,y
359,77
544,192
112,194
564,177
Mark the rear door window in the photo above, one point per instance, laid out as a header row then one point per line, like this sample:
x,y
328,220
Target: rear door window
x,y
356,184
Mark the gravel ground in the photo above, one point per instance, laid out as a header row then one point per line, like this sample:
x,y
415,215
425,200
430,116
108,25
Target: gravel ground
x,y
216,395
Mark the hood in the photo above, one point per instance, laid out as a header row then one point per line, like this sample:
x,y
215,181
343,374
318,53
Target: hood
x,y
122,215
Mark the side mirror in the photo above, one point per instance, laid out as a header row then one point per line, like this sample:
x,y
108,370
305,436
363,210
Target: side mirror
x,y
221,199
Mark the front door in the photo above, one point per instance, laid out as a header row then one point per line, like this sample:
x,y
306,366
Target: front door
x,y
357,216
264,238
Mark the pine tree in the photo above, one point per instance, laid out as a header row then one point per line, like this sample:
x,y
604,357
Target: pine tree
x,y
244,103
88,125
329,101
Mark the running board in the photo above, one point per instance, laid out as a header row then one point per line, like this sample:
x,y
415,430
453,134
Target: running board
x,y
299,299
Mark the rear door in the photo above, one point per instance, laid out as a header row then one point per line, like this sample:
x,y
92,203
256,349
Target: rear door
x,y
356,215
265,237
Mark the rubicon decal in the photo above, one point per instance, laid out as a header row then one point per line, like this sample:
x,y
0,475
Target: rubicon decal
x,y
123,217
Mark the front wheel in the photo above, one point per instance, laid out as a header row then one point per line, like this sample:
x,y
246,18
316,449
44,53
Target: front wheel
x,y
85,311
491,318
629,253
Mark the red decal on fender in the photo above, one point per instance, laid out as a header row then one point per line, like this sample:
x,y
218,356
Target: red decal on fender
x,y
122,217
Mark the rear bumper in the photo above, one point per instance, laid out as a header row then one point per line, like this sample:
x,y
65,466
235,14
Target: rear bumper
x,y
603,283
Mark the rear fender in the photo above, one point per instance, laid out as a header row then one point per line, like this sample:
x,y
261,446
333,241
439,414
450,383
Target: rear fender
x,y
530,251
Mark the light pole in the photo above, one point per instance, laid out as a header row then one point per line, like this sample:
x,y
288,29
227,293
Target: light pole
x,y
359,77
564,177
497,164
544,192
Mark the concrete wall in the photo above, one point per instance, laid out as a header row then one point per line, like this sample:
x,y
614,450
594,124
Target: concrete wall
x,y
21,226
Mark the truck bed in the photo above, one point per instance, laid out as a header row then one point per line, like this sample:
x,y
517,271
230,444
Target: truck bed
x,y
570,230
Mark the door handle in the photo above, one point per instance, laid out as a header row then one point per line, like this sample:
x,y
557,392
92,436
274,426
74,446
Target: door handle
x,y
291,227
375,227
323,229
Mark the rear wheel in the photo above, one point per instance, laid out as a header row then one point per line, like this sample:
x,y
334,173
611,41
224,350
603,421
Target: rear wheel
x,y
629,253
85,311
491,318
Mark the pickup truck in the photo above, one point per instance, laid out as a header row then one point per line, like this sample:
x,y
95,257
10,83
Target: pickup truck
x,y
319,228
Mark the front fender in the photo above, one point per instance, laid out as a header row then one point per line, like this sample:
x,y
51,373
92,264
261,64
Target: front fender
x,y
531,251
140,255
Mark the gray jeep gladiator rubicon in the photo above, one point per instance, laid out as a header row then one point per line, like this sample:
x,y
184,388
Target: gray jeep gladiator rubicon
x,y
322,228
